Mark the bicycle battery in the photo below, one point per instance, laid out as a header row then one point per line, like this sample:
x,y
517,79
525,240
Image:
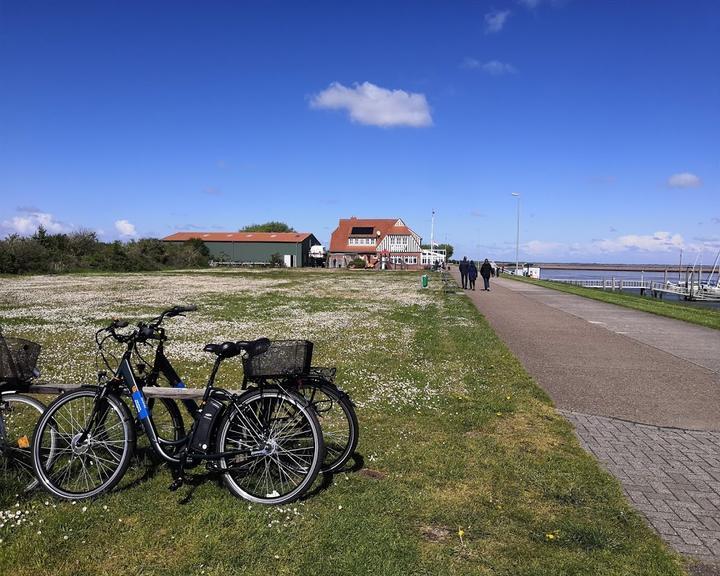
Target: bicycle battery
x,y
204,425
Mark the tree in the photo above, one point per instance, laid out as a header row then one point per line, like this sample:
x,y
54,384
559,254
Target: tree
x,y
272,226
449,250
276,261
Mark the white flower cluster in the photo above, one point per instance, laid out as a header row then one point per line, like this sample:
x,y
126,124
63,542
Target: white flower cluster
x,y
363,323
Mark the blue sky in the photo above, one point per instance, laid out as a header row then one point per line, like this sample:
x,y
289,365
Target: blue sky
x,y
144,118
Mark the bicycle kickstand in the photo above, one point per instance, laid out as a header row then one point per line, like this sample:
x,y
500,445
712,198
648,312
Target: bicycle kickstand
x,y
178,473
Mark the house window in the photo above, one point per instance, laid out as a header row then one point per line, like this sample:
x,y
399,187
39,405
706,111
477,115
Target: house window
x,y
361,241
410,259
399,243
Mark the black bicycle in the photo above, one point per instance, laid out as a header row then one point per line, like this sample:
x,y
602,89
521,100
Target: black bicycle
x,y
285,365
266,443
19,412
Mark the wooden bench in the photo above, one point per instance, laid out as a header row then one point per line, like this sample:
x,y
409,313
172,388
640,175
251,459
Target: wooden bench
x,y
448,284
149,391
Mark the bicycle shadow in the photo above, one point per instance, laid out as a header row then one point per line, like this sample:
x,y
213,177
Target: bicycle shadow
x,y
151,466
358,463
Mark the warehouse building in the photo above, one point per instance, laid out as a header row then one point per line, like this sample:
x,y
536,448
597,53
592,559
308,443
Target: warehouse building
x,y
254,247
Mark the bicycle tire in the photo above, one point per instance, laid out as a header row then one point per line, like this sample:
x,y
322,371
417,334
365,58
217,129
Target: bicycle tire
x,y
338,421
15,451
167,421
285,427
103,459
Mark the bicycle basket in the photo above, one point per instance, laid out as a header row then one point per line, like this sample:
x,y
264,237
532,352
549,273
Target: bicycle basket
x,y
282,358
18,359
323,373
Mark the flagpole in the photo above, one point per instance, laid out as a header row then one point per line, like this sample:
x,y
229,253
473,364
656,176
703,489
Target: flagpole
x,y
432,238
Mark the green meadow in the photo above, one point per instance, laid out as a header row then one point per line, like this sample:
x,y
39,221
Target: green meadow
x,y
463,466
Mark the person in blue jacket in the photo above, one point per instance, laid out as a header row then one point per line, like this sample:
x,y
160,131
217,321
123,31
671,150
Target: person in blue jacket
x,y
472,274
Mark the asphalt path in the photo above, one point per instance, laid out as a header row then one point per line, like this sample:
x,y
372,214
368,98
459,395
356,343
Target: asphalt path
x,y
602,359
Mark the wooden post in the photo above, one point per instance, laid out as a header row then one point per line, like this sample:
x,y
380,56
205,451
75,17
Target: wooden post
x,y
613,283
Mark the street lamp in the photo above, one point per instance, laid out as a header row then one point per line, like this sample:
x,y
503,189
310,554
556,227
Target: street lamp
x,y
517,236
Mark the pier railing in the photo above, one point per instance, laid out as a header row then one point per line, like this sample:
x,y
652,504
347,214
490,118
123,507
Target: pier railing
x,y
689,291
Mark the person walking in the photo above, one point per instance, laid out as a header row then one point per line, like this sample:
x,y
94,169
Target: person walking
x,y
464,272
485,271
472,274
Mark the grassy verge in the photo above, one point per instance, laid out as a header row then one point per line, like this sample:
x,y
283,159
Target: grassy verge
x,y
463,467
694,314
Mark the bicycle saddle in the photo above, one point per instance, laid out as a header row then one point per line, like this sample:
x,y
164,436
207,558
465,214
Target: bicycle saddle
x,y
225,350
230,349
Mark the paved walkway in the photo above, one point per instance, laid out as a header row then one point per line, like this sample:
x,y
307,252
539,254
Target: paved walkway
x,y
642,391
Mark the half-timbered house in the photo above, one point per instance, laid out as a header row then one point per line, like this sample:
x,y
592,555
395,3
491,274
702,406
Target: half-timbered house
x,y
380,242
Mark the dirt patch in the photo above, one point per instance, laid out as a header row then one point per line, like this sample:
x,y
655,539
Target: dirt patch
x,y
435,533
374,474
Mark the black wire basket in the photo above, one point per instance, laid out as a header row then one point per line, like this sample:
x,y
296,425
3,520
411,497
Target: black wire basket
x,y
282,358
18,360
323,373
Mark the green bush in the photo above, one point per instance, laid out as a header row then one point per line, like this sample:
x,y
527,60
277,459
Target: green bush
x,y
81,250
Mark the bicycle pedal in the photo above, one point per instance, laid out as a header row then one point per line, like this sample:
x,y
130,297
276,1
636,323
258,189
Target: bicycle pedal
x,y
176,484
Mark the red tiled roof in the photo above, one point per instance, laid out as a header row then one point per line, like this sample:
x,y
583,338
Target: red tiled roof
x,y
293,237
339,238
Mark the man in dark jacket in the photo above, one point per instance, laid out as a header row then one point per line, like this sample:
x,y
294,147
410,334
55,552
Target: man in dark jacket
x,y
485,271
464,272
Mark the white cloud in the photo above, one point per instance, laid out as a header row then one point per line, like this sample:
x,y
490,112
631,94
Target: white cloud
x,y
376,106
530,4
495,20
494,67
125,229
684,180
31,221
537,247
497,68
658,242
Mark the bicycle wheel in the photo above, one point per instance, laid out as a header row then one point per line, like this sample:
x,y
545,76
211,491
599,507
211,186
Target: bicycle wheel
x,y
338,421
168,422
283,445
18,416
71,467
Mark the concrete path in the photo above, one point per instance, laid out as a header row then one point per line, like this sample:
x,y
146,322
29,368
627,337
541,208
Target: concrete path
x,y
643,392
602,359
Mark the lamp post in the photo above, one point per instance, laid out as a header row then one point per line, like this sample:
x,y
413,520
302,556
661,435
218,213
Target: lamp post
x,y
517,235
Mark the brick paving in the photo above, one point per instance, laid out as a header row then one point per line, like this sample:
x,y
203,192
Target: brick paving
x,y
672,476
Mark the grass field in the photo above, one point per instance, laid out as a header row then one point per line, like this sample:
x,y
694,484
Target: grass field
x,y
463,467
703,316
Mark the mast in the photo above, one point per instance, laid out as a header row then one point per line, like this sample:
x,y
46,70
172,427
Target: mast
x,y
680,266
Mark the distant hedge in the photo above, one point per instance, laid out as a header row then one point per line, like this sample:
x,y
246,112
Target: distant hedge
x,y
82,251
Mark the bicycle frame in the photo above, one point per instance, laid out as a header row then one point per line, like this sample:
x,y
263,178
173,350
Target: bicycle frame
x,y
161,365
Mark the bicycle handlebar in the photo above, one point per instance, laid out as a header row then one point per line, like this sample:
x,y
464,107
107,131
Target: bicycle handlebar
x,y
144,332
